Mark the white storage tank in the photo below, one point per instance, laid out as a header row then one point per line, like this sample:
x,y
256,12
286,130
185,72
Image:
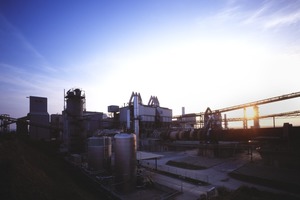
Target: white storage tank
x,y
125,162
99,153
173,135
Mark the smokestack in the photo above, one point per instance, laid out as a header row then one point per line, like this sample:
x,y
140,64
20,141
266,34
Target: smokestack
x,y
136,119
128,119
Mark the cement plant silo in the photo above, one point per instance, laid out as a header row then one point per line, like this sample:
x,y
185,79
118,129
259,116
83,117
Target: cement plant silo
x,y
73,130
75,100
99,153
125,162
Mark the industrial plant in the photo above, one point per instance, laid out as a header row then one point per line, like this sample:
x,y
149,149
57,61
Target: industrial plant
x,y
144,151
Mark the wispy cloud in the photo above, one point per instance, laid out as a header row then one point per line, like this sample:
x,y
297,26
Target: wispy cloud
x,y
14,37
256,15
283,19
25,71
275,14
262,14
22,79
259,20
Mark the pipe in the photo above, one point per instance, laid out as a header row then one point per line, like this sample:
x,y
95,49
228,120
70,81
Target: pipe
x,y
136,118
128,119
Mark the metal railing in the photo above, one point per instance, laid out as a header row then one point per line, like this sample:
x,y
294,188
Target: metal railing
x,y
177,172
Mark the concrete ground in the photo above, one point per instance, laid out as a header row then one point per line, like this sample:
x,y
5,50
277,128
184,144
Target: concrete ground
x,y
216,174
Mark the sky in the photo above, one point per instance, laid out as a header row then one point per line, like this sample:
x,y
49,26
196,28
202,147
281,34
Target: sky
x,y
189,53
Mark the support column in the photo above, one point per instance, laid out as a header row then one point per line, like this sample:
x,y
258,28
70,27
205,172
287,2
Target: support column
x,y
245,121
256,116
225,122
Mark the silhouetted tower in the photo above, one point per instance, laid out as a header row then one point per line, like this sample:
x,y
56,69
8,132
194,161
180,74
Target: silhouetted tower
x,y
39,118
74,134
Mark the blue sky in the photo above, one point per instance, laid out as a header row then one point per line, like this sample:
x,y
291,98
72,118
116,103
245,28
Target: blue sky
x,y
190,53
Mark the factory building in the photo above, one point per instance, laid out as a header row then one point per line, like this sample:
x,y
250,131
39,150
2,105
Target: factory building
x,y
78,124
113,158
150,116
39,118
4,123
92,121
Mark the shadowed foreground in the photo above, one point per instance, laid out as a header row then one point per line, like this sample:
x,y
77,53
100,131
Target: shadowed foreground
x,y
33,170
28,173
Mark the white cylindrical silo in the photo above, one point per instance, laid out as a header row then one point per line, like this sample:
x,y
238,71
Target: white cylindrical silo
x,y
99,153
125,162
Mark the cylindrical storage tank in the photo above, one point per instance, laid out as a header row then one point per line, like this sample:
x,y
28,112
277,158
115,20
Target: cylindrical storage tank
x,y
180,135
191,135
125,162
197,135
173,135
99,153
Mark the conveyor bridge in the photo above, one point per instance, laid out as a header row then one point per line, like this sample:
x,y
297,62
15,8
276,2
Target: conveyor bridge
x,y
191,117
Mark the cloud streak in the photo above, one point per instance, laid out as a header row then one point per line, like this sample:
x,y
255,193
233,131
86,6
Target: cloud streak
x,y
14,38
276,14
17,83
283,20
264,15
23,79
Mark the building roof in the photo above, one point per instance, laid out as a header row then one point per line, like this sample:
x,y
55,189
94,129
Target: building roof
x,y
141,155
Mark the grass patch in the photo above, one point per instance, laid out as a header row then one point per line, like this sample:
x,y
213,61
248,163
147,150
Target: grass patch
x,y
185,165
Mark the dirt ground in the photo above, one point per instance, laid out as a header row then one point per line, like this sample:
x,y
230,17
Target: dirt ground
x,y
27,173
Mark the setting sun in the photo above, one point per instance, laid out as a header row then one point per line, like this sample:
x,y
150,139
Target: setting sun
x,y
251,112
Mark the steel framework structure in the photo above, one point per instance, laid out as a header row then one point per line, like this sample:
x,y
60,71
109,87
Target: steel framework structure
x,y
201,115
